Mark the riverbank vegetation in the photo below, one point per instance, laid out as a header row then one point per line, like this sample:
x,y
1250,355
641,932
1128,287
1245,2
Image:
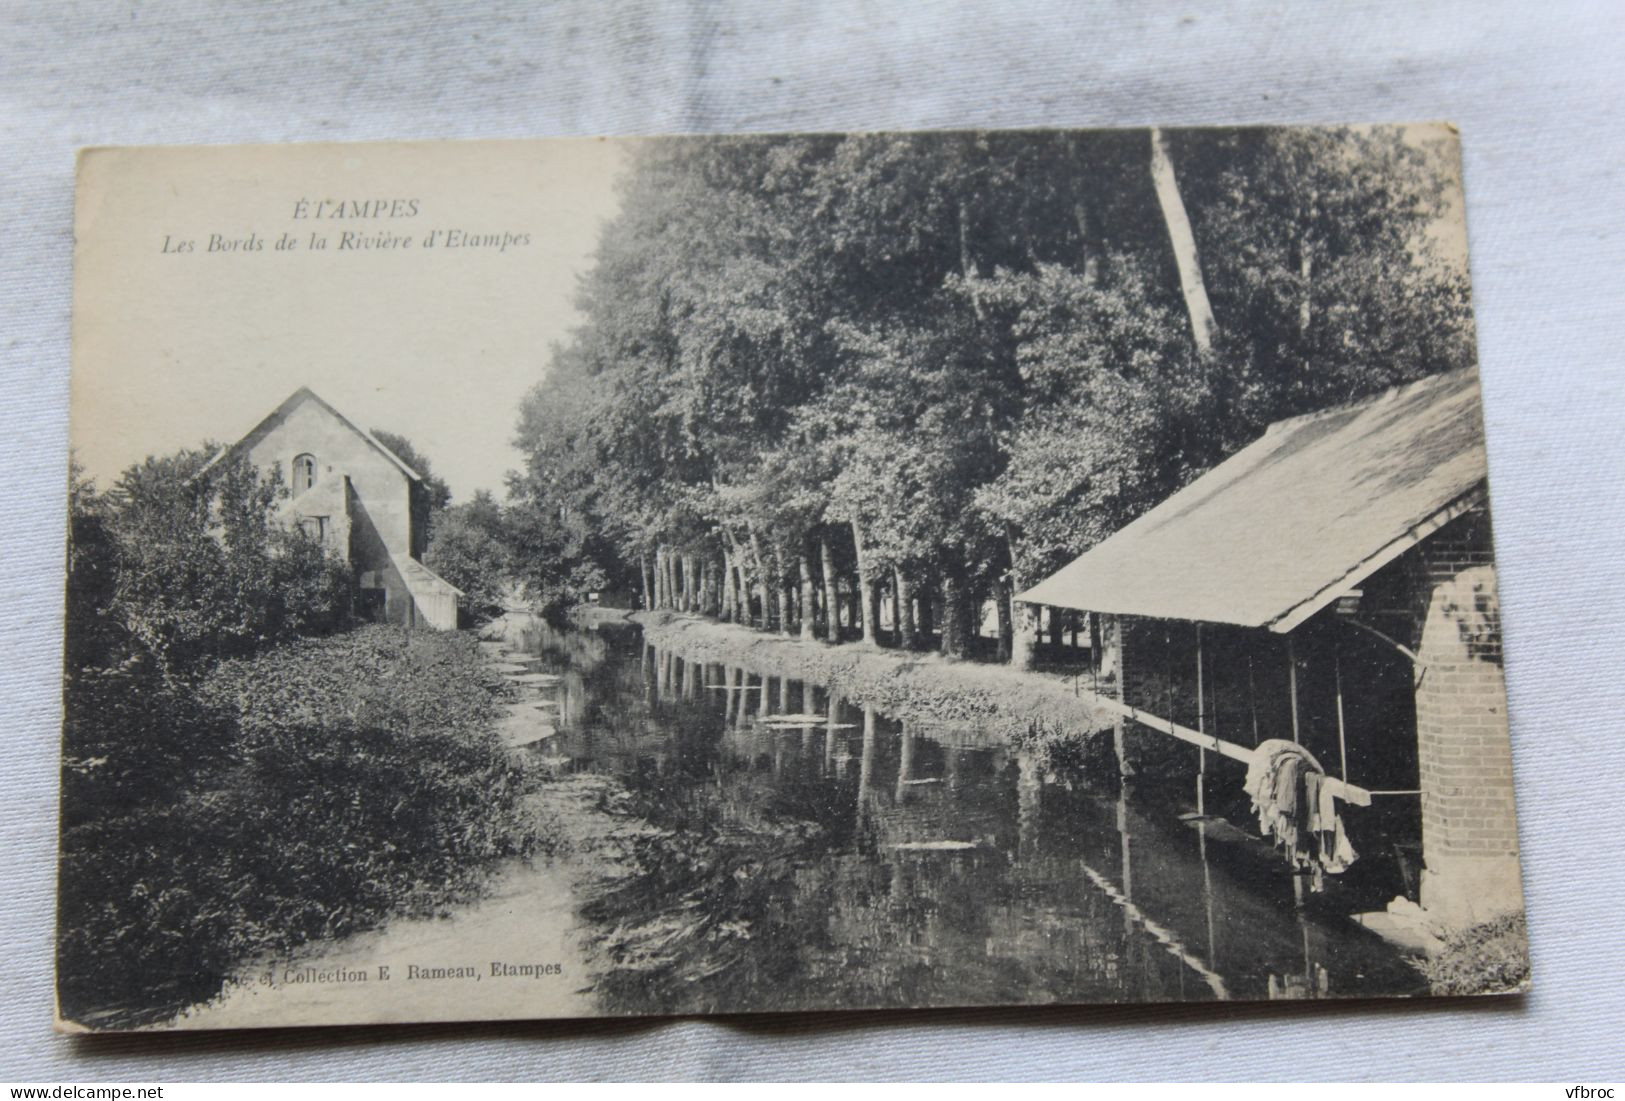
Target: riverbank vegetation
x,y
816,372
244,770
989,699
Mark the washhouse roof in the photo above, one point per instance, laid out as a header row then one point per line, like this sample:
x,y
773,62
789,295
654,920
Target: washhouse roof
x,y
1284,527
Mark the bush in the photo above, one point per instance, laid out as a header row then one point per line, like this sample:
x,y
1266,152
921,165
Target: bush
x,y
469,549
309,791
183,562
1490,958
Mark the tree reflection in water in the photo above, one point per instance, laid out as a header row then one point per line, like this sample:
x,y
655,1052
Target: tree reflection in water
x,y
939,870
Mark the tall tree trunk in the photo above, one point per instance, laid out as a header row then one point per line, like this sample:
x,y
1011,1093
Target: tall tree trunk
x,y
643,579
659,568
1001,605
832,598
1183,242
741,582
1093,251
956,616
925,594
781,588
728,609
1023,635
903,588
761,576
970,619
1306,271
809,628
1023,617
866,592
967,267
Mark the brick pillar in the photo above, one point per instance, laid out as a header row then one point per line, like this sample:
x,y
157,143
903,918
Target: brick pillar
x,y
1469,823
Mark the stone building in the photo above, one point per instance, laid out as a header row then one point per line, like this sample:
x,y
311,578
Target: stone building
x,y
361,500
1333,584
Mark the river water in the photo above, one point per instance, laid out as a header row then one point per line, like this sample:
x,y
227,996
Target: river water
x,y
744,842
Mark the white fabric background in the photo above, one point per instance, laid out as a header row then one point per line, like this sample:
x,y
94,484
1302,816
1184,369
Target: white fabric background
x,y
1537,92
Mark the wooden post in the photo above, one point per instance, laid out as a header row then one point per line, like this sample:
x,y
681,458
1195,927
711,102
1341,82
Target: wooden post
x,y
1342,740
1201,728
1292,683
866,764
1252,692
1112,660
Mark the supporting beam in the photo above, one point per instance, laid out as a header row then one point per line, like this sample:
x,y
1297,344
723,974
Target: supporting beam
x,y
1343,790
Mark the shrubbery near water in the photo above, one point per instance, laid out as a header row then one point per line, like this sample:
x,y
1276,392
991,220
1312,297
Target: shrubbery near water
x,y
307,791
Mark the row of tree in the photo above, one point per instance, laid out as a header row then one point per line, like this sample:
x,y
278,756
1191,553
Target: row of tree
x,y
814,370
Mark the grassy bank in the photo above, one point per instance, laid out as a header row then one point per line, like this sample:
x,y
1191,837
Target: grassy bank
x,y
307,791
994,698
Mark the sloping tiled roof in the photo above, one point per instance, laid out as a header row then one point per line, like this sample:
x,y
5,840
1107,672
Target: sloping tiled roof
x,y
1282,528
277,415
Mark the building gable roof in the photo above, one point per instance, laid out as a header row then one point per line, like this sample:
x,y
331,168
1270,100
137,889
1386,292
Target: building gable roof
x,y
1289,523
297,398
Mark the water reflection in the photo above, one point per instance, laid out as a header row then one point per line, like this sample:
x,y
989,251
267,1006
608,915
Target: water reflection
x,y
802,851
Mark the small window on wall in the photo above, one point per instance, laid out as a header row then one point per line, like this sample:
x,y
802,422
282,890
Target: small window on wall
x,y
304,473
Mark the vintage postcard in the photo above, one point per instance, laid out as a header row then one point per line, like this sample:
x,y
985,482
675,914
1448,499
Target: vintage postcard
x,y
699,575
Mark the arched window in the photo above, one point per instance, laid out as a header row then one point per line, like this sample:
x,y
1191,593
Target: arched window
x,y
304,472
